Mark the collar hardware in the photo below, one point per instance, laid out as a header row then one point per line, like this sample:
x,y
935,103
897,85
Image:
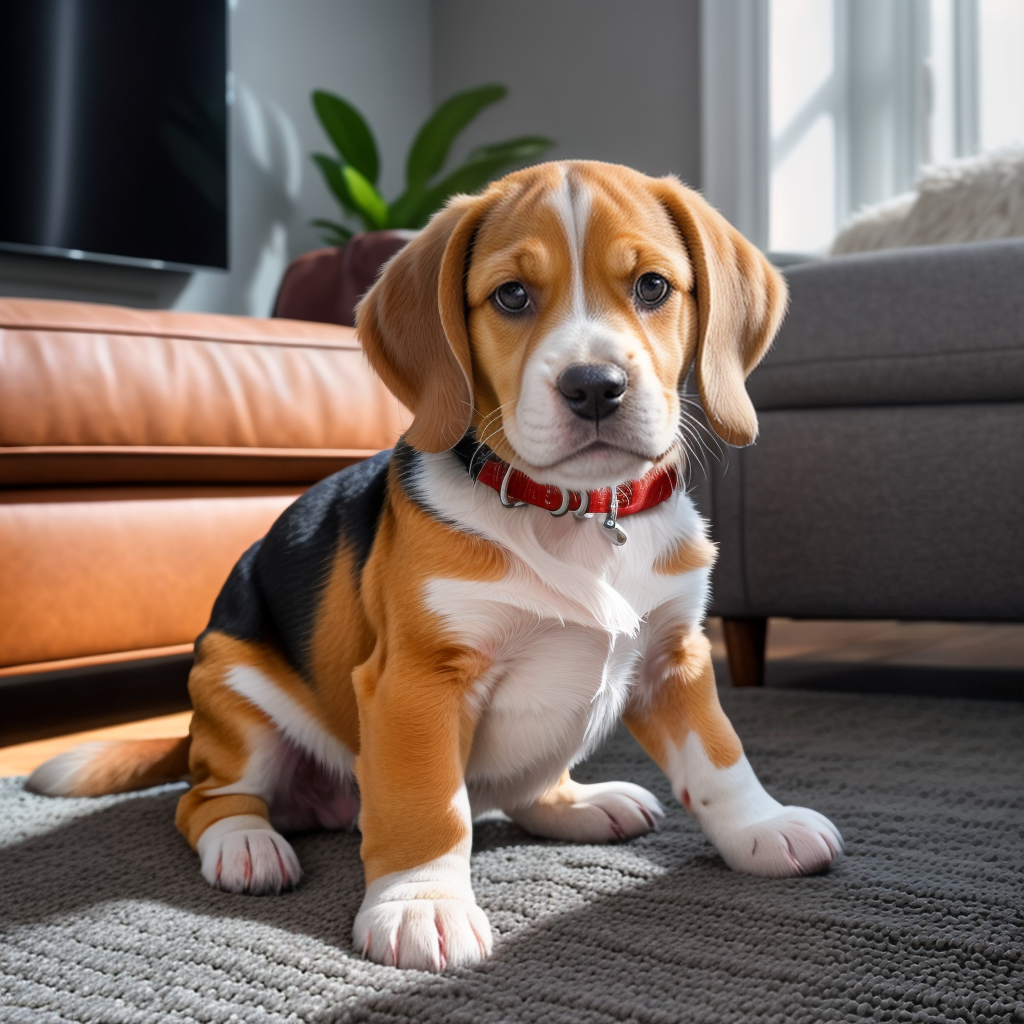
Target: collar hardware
x,y
516,489
503,491
619,536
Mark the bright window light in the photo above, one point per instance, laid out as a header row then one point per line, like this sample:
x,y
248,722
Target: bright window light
x,y
942,145
1001,72
802,96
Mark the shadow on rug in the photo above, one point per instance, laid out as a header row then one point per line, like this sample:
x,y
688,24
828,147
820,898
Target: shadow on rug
x,y
105,918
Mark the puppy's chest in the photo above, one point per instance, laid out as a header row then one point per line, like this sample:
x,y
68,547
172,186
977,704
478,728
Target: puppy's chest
x,y
552,691
564,633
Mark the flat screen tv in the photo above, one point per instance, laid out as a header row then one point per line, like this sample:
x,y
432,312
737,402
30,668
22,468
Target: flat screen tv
x,y
113,130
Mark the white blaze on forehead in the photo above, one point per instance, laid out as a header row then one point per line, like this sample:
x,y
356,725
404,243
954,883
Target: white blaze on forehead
x,y
572,204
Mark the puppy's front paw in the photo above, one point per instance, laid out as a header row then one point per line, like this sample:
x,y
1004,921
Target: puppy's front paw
x,y
243,853
796,841
423,934
598,813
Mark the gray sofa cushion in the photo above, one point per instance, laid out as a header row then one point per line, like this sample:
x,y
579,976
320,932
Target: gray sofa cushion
x,y
906,512
909,326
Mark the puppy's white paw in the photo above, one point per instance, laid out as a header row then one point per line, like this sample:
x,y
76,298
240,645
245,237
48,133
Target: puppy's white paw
x,y
599,813
796,841
243,853
423,934
424,918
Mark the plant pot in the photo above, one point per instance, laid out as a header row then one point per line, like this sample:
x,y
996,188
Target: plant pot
x,y
324,285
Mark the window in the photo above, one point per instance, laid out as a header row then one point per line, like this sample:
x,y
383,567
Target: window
x,y
816,108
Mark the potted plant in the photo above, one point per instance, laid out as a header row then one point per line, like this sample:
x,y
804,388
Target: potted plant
x,y
326,284
352,174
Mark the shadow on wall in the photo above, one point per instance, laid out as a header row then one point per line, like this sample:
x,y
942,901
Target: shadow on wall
x,y
266,176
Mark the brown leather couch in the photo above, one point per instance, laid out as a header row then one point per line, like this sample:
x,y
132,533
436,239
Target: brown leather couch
x,y
141,452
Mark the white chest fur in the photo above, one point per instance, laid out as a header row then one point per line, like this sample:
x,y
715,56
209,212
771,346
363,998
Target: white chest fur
x,y
565,630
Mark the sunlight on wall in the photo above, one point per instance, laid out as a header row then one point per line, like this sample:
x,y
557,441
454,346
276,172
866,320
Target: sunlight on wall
x,y
942,64
802,214
802,84
1001,66
267,274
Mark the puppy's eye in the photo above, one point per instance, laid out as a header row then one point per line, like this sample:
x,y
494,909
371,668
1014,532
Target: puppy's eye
x,y
512,297
651,290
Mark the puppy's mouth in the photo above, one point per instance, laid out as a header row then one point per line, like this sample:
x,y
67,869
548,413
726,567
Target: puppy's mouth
x,y
600,451
597,464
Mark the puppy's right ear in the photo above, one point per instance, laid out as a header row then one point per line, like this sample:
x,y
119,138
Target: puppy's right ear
x,y
412,326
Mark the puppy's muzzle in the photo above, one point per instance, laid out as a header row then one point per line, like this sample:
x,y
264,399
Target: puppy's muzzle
x,y
593,391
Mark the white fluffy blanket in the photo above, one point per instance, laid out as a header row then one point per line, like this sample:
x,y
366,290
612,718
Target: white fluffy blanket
x,y
966,200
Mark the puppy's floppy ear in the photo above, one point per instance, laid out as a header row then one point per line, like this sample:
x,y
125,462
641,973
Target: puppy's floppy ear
x,y
741,299
412,326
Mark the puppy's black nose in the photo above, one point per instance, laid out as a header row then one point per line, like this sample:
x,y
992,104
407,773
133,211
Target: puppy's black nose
x,y
593,390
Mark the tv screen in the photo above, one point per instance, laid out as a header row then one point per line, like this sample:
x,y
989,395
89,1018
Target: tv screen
x,y
113,121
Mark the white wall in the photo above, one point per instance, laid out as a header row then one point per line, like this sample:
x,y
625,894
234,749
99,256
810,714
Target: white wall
x,y
608,79
376,54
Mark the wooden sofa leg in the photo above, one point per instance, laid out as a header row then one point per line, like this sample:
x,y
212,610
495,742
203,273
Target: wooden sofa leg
x,y
745,641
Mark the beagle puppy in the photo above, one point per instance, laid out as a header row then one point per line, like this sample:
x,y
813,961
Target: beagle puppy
x,y
447,628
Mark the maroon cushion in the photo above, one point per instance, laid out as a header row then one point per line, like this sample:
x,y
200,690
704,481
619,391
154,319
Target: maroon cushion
x,y
324,285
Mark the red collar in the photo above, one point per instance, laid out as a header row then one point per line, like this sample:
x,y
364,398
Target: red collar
x,y
631,497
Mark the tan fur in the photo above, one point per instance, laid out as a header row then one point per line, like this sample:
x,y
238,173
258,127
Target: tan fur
x,y
342,639
564,791
412,691
687,700
687,556
412,327
125,765
225,728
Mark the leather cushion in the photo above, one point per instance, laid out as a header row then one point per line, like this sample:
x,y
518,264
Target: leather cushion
x,y
190,395
90,571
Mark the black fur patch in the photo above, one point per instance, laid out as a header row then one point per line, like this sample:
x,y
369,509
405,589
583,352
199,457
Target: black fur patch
x,y
273,592
470,452
238,610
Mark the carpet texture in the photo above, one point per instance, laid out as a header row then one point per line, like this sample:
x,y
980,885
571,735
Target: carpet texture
x,y
105,918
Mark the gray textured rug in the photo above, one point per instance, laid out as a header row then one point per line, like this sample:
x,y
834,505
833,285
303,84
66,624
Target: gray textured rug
x,y
105,918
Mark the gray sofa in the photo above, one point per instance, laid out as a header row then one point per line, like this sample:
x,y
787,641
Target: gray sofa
x,y
888,478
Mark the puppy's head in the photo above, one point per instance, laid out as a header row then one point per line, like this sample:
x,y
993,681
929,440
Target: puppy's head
x,y
559,312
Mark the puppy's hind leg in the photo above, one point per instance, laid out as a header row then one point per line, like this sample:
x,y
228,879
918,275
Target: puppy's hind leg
x,y
235,760
598,813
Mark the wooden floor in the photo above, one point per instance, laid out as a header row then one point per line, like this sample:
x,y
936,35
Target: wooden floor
x,y
891,643
937,644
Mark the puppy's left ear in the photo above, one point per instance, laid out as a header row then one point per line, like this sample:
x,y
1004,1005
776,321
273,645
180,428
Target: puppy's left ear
x,y
741,300
412,326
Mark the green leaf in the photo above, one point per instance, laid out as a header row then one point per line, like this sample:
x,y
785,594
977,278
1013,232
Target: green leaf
x,y
400,211
371,206
431,145
334,234
331,170
349,132
468,178
484,164
513,150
